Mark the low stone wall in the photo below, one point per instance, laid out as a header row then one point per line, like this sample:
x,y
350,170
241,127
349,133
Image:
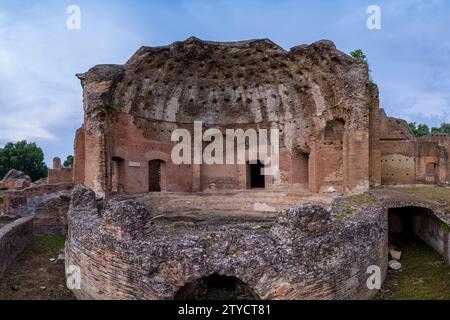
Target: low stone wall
x,y
127,252
48,203
14,238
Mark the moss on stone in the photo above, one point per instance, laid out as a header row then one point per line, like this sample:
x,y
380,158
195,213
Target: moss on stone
x,y
350,203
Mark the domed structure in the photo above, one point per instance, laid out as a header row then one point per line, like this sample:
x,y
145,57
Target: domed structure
x,y
316,96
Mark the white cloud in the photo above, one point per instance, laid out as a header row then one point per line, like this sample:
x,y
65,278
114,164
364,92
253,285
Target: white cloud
x,y
410,101
39,93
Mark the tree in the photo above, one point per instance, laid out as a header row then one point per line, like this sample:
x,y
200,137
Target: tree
x,y
69,162
419,130
444,128
25,157
359,54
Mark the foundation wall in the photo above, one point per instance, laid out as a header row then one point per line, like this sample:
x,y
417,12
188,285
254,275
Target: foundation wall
x,y
398,162
48,204
119,260
14,238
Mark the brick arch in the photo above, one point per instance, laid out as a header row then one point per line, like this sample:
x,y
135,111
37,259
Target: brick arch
x,y
428,223
165,158
184,276
157,155
120,153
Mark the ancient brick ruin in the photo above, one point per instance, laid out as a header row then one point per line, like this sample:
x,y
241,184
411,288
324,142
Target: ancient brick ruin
x,y
143,227
126,251
334,136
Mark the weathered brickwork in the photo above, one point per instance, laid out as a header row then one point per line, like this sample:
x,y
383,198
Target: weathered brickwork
x,y
408,160
334,136
14,238
128,252
47,203
59,174
132,110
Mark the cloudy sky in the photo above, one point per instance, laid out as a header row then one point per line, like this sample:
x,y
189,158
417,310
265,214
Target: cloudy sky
x,y
40,98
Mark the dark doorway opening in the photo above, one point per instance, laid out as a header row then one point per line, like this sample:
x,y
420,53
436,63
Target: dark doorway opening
x,y
154,175
407,223
216,287
117,175
257,179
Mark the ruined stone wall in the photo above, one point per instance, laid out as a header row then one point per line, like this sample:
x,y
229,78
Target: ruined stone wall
x,y
250,84
436,149
14,238
79,157
398,162
374,136
407,160
63,175
59,174
127,252
398,151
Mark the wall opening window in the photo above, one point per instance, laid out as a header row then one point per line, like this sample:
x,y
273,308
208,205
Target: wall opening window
x,y
256,178
154,175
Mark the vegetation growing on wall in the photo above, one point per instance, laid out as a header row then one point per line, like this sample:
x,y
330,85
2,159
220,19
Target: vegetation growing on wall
x,y
359,54
111,107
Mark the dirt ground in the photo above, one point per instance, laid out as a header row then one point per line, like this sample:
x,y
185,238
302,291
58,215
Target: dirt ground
x,y
33,276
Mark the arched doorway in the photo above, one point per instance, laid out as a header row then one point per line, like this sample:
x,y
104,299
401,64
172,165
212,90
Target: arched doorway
x,y
117,175
255,176
155,175
216,287
418,256
409,223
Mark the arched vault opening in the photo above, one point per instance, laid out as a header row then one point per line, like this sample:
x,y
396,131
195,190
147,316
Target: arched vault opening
x,y
216,287
413,223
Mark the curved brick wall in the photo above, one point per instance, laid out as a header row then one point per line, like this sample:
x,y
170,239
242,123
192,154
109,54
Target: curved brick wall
x,y
14,238
125,252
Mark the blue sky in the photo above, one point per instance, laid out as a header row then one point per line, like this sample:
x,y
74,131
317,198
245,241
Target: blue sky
x,y
40,98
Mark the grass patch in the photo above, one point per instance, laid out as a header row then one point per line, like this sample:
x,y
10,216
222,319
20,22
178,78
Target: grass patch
x,y
436,194
48,245
349,204
33,276
359,200
424,276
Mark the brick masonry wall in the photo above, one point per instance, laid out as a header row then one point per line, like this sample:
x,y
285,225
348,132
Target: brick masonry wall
x,y
135,107
61,175
47,203
14,238
306,253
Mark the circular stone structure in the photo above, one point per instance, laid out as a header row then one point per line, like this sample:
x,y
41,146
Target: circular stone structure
x,y
125,251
